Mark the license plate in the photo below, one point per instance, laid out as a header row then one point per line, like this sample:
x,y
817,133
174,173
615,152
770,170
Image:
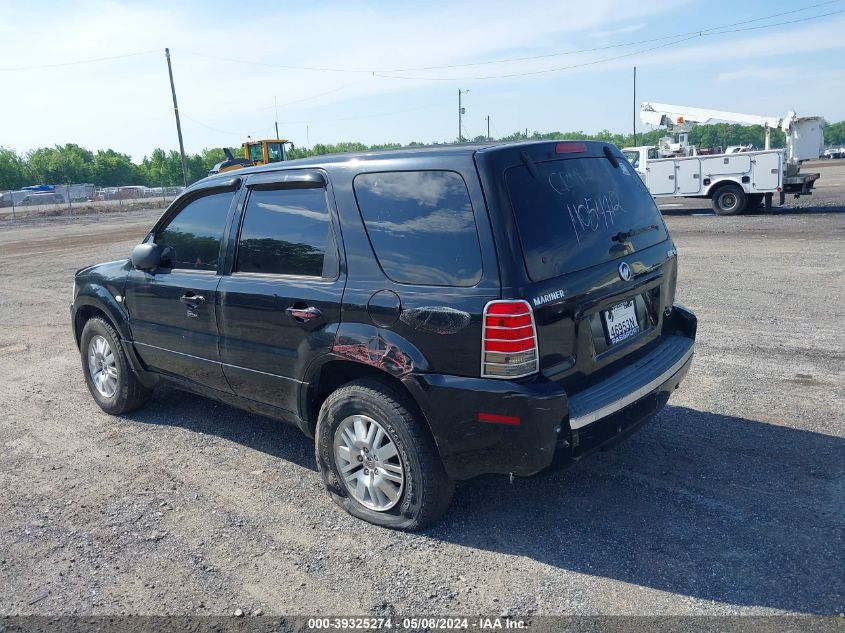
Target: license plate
x,y
621,322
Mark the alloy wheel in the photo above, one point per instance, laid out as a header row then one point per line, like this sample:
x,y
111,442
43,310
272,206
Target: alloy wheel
x,y
102,366
369,463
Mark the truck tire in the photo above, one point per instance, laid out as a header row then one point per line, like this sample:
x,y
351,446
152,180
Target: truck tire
x,y
110,379
729,200
378,459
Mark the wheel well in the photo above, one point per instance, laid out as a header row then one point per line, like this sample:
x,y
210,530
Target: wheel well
x,y
335,374
85,314
714,188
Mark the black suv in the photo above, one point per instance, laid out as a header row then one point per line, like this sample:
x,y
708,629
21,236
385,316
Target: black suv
x,y
427,315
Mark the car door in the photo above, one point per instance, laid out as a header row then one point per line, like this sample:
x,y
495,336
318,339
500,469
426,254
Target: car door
x,y
280,305
173,309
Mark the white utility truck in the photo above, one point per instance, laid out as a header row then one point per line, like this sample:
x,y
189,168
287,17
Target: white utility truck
x,y
734,181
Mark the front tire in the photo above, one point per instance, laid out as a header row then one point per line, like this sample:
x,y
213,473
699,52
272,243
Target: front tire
x,y
729,200
110,379
378,459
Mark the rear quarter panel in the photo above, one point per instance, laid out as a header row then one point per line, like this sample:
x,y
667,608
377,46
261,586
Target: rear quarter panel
x,y
444,322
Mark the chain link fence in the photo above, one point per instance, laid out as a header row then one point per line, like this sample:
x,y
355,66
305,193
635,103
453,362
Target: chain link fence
x,y
71,199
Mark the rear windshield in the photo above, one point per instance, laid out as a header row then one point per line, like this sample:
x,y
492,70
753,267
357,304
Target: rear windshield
x,y
579,212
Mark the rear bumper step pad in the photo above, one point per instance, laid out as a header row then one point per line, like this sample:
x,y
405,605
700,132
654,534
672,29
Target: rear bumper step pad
x,y
631,383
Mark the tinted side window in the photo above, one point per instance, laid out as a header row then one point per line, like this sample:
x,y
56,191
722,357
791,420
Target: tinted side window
x,y
287,232
421,226
194,234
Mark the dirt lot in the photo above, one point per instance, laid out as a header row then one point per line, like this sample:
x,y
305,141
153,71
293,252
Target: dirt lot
x,y
732,501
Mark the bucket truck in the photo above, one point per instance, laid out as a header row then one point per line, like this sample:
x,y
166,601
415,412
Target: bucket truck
x,y
735,181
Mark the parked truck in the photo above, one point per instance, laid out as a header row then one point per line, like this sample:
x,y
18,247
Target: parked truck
x,y
734,182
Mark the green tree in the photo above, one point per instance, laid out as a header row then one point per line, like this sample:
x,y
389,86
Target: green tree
x,y
13,170
212,156
71,163
162,168
111,169
834,134
60,164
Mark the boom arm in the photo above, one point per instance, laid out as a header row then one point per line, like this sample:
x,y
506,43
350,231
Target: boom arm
x,y
667,115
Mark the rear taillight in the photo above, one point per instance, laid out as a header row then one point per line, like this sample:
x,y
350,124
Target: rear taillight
x,y
509,340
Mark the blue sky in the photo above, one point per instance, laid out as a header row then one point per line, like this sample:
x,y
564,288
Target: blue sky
x,y
125,103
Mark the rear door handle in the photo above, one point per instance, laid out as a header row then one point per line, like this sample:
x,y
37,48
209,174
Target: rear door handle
x,y
191,299
303,315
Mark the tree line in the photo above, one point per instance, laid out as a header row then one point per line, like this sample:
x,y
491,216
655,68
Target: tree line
x,y
71,163
107,168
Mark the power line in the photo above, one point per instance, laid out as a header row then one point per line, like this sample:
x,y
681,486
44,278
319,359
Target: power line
x,y
713,30
309,121
608,46
252,62
212,128
79,62
769,26
547,70
696,35
308,98
365,116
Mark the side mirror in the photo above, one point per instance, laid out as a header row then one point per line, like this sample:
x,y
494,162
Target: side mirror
x,y
147,256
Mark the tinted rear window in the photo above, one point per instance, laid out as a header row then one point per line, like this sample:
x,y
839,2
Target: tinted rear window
x,y
421,226
568,215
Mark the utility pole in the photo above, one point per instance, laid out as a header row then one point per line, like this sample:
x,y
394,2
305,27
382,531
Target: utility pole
x,y
178,124
635,105
276,104
488,128
461,111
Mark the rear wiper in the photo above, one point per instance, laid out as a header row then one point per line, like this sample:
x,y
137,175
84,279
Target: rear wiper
x,y
625,235
532,168
609,154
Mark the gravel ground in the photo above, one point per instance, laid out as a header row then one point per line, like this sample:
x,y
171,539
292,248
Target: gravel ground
x,y
731,502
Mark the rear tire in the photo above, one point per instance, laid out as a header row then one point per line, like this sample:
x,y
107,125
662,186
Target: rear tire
x,y
110,379
729,200
409,488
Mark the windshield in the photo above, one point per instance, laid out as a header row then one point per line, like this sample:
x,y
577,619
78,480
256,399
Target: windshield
x,y
579,212
633,158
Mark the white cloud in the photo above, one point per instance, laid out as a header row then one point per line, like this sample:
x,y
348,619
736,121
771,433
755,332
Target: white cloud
x,y
125,104
779,73
631,28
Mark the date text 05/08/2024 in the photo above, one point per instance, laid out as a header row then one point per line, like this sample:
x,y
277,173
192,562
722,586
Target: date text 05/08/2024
x,y
427,623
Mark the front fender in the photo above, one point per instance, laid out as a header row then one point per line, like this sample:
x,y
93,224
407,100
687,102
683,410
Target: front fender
x,y
101,299
100,287
104,299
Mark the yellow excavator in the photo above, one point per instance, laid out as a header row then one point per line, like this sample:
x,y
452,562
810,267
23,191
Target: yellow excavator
x,y
254,153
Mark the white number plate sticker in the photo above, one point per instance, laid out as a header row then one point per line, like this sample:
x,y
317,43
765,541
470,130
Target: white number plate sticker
x,y
621,322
